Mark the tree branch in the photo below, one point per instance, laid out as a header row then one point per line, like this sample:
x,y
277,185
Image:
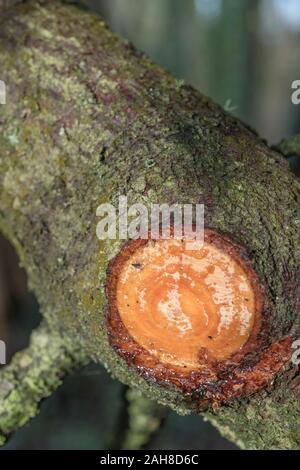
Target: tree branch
x,y
33,375
144,420
290,146
88,119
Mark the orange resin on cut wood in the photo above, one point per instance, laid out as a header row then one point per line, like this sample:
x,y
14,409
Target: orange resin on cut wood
x,y
194,317
183,305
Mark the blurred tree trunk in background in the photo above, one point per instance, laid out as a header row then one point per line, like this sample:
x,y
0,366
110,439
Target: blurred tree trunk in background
x,y
232,46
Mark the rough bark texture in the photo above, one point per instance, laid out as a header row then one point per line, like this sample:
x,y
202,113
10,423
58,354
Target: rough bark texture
x,y
87,119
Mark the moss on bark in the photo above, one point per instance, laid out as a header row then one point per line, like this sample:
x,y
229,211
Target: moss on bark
x,y
88,119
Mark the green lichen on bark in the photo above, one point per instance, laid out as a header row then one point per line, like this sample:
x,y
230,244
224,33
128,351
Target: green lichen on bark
x,y
33,375
88,119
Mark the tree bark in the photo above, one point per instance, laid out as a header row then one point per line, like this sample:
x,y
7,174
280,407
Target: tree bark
x,y
88,119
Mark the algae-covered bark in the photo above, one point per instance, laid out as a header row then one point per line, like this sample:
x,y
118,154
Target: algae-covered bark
x,y
88,119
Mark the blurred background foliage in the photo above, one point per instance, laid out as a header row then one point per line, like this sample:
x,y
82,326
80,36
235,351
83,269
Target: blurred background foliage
x,y
242,53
